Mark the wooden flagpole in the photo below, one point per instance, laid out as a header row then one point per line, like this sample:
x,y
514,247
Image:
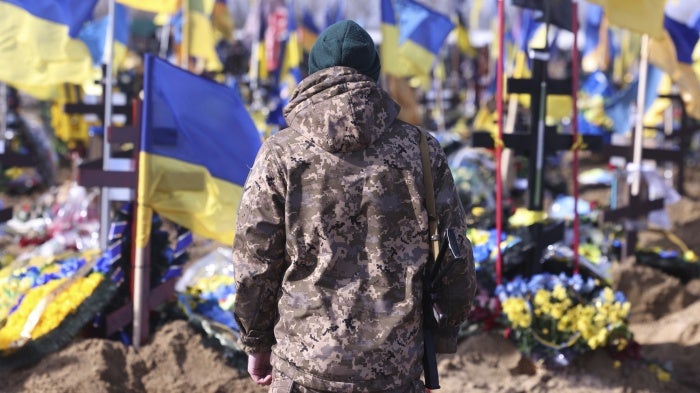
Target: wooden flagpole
x,y
639,127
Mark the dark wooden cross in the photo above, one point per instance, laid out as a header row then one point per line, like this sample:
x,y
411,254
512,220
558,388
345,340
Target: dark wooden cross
x,y
99,109
638,207
675,155
538,141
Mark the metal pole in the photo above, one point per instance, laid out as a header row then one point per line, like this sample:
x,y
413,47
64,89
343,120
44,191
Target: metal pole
x,y
574,128
107,61
497,144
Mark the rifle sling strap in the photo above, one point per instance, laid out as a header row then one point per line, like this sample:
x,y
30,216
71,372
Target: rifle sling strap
x,y
429,197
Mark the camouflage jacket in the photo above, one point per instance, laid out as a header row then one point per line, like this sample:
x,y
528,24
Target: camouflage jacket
x,y
332,239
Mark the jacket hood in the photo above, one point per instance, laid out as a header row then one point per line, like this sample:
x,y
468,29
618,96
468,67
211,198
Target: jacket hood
x,y
340,110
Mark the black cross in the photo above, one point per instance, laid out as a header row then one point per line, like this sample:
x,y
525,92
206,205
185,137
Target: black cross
x,y
638,207
99,109
542,235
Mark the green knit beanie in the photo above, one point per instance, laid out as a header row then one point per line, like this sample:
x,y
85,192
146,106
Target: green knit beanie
x,y
347,44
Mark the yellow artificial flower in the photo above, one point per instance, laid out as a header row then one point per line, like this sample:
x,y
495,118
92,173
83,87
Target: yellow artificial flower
x,y
62,305
559,293
518,312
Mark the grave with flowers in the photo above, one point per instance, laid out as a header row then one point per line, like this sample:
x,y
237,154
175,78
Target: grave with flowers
x,y
62,285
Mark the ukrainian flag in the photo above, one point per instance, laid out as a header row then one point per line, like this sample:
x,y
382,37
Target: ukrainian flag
x,y
598,50
422,31
673,52
94,34
308,31
393,63
39,44
197,145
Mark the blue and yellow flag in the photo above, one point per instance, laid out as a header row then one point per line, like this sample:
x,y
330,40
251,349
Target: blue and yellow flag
x,y
393,61
197,145
39,44
598,51
308,31
94,33
422,31
673,52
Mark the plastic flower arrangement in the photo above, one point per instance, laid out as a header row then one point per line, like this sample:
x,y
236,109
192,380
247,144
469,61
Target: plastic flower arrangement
x,y
683,264
207,289
485,254
557,317
54,292
51,302
64,304
206,293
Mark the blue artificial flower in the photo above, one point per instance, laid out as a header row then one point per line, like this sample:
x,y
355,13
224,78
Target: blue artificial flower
x,y
620,297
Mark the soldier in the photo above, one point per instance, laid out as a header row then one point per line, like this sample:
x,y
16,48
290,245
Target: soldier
x,y
332,236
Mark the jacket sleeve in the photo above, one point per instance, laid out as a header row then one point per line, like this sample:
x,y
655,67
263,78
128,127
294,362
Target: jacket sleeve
x,y
259,252
458,288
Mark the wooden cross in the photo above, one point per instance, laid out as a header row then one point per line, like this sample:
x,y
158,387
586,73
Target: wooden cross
x,y
638,207
540,140
542,235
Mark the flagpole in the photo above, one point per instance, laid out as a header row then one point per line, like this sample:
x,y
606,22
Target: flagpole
x,y
140,240
164,38
498,143
107,61
142,217
185,44
574,126
255,48
638,129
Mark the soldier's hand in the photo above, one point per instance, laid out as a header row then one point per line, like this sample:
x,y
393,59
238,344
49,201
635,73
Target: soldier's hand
x,y
259,368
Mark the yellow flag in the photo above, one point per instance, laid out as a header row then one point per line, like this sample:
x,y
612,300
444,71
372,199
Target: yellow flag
x,y
641,16
165,6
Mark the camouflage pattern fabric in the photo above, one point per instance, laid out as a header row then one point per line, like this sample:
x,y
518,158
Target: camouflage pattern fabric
x,y
283,384
332,240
